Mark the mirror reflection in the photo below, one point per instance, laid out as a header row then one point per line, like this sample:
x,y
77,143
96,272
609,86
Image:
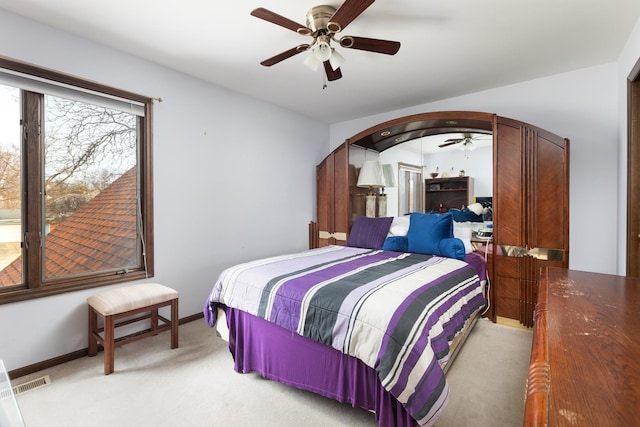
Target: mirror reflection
x,y
426,172
409,192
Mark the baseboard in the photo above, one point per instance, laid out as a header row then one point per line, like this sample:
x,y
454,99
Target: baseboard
x,y
510,322
46,364
191,318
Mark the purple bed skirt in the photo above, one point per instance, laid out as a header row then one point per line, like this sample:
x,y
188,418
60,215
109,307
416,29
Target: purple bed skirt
x,y
283,356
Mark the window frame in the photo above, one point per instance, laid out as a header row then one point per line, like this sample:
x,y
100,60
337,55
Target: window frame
x,y
34,286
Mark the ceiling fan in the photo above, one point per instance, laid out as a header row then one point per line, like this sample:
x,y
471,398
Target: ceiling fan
x,y
466,140
323,24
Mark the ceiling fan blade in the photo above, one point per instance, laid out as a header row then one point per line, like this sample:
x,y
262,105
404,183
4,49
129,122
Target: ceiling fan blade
x,y
372,45
450,142
346,13
331,73
274,18
285,55
454,140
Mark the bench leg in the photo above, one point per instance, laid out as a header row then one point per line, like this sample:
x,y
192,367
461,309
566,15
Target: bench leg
x,y
154,321
109,341
93,325
174,323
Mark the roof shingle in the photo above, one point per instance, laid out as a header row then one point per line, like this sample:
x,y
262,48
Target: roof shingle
x,y
100,236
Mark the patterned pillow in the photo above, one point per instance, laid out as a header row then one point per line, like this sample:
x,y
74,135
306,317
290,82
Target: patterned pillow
x,y
369,233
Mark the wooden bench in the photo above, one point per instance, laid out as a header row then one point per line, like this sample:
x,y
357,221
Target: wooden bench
x,y
127,303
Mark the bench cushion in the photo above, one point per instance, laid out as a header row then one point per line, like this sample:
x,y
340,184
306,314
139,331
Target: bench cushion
x,y
120,300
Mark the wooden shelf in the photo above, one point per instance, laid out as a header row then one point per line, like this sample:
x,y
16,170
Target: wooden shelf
x,y
442,194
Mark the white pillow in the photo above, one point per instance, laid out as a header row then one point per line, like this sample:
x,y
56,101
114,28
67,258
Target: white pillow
x,y
463,233
399,226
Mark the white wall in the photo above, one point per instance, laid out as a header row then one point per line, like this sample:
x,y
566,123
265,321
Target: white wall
x,y
581,105
234,180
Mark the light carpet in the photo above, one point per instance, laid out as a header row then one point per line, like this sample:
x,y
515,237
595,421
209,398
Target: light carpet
x,y
195,386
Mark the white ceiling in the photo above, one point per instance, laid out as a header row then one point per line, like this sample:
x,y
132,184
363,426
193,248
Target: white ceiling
x,y
449,47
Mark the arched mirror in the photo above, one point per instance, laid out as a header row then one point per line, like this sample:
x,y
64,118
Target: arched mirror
x,y
425,172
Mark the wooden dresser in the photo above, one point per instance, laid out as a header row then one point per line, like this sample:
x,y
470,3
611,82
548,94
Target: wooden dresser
x,y
585,361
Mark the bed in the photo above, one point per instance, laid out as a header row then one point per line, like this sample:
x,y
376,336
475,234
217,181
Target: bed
x,y
374,323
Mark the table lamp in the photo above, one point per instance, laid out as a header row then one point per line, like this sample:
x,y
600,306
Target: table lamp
x,y
371,177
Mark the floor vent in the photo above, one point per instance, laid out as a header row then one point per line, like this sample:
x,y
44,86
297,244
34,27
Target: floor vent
x,y
32,385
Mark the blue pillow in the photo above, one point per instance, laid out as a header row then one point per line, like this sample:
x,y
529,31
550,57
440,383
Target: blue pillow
x,y
452,248
427,230
396,243
465,215
369,233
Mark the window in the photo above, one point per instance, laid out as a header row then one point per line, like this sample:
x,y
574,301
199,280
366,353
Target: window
x,y
75,184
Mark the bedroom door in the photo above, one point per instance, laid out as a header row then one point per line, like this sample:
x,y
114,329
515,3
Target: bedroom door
x,y
633,174
531,214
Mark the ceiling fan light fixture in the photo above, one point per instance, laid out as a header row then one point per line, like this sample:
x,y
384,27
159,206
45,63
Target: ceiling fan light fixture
x,y
322,49
468,145
336,60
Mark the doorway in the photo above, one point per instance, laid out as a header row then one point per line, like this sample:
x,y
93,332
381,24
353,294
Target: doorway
x,y
633,173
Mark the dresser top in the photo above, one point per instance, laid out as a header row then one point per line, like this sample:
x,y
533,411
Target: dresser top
x,y
592,338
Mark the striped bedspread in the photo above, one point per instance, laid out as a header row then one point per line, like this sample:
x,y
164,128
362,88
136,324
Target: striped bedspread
x,y
397,312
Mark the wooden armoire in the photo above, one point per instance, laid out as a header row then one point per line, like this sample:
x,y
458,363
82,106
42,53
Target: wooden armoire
x,y
530,198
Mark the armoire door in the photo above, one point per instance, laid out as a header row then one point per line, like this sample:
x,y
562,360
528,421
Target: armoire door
x,y
332,197
531,214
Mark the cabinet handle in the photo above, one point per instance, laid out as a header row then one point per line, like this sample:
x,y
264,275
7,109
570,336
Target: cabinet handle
x,y
327,235
548,254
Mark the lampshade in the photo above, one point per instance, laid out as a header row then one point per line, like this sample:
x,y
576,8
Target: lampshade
x,y
319,54
476,208
336,60
370,175
322,50
312,62
389,176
